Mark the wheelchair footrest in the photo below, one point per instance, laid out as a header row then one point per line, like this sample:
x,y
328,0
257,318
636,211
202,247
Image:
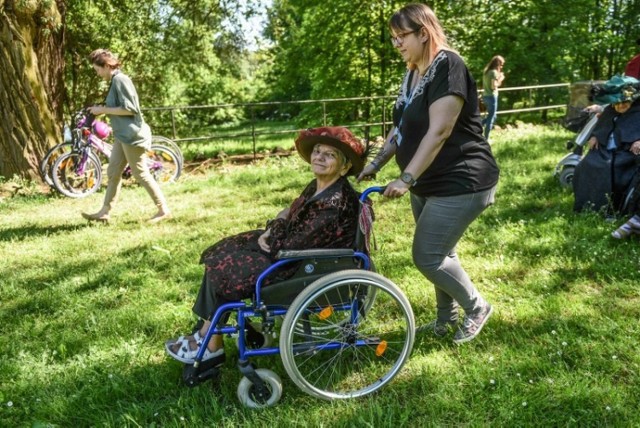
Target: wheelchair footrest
x,y
194,376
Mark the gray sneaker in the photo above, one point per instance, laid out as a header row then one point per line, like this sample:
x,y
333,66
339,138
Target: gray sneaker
x,y
439,328
472,325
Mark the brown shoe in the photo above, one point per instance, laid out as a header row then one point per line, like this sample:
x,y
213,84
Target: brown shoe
x,y
98,217
160,217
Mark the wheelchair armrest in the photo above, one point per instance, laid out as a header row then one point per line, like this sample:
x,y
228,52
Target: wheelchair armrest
x,y
319,252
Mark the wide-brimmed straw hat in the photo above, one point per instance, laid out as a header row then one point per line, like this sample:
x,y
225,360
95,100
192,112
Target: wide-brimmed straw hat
x,y
336,136
618,89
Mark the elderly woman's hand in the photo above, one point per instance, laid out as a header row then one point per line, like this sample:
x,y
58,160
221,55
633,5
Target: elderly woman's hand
x,y
592,143
368,172
635,148
263,241
593,108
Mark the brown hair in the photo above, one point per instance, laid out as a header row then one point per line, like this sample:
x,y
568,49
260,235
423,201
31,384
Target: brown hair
x,y
494,63
104,58
415,17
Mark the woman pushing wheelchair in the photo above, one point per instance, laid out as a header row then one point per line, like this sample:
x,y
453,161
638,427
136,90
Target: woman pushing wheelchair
x,y
325,215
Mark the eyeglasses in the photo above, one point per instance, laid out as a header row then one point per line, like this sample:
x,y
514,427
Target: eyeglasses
x,y
399,38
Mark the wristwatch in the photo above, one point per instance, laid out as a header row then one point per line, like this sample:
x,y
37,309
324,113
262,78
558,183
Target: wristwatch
x,y
407,178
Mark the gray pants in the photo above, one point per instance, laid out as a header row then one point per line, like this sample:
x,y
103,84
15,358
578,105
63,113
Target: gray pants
x,y
136,157
440,223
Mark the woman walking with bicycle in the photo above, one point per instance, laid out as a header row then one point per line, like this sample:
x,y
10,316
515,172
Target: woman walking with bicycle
x,y
132,137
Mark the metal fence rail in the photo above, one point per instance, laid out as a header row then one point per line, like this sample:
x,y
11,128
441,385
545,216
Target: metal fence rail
x,y
381,104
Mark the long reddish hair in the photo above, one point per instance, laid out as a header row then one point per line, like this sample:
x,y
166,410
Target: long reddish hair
x,y
420,17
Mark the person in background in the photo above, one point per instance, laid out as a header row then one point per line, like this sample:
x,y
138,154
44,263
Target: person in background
x,y
325,215
492,78
604,174
132,137
633,66
445,163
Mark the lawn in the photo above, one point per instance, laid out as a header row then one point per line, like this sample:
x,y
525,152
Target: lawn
x,y
85,309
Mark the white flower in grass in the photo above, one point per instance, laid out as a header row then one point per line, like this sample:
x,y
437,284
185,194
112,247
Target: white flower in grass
x,y
553,332
9,403
491,359
518,374
524,404
182,418
110,376
531,381
615,357
492,381
155,414
608,408
564,343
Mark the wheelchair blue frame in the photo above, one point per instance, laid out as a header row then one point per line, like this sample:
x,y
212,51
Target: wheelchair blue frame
x,y
335,301
258,308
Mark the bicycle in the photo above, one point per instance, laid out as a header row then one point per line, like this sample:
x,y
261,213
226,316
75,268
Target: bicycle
x,y
74,168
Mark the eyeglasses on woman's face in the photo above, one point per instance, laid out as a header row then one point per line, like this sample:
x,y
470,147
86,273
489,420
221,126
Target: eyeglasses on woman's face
x,y
399,38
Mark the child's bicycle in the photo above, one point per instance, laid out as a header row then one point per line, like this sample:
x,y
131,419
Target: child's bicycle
x,y
74,168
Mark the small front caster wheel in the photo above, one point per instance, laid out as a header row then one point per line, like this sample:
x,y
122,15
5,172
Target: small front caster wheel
x,y
259,396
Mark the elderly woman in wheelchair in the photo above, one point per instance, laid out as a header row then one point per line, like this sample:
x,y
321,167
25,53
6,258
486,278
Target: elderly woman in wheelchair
x,y
316,235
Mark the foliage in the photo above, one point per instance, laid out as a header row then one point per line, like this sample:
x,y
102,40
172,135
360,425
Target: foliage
x,y
86,308
177,52
340,48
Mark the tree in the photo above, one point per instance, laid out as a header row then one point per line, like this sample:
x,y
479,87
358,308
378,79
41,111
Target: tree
x,y
31,82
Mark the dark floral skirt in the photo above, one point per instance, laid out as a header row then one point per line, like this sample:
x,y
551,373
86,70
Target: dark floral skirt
x,y
232,265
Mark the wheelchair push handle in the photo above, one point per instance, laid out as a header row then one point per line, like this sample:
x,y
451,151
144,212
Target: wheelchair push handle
x,y
369,190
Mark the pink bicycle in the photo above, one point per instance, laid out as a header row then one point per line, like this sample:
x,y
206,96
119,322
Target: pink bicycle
x,y
74,167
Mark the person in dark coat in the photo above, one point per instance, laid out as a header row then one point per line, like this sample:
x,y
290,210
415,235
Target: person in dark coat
x,y
325,215
603,176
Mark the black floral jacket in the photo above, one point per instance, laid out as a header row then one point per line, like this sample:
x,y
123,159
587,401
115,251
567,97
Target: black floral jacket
x,y
328,220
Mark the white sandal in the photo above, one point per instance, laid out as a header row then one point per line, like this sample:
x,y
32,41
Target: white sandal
x,y
188,356
196,337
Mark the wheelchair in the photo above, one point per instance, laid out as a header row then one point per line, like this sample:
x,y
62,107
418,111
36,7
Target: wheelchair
x,y
345,331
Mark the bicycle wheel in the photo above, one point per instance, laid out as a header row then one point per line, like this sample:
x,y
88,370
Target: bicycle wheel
x,y
76,178
164,164
334,359
159,140
50,158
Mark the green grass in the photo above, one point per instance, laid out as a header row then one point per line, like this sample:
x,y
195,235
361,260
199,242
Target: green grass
x,y
85,309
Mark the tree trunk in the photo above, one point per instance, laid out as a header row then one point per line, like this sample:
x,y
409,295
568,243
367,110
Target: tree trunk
x,y
31,83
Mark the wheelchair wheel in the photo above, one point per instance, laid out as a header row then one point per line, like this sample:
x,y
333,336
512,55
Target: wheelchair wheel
x,y
346,348
566,177
249,395
327,329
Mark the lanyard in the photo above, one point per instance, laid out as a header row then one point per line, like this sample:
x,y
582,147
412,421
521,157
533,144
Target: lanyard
x,y
397,136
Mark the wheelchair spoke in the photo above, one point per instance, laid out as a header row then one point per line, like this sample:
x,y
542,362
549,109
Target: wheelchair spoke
x,y
342,344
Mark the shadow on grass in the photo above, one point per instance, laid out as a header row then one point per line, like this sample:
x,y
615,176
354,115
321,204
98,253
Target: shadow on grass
x,y
20,233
